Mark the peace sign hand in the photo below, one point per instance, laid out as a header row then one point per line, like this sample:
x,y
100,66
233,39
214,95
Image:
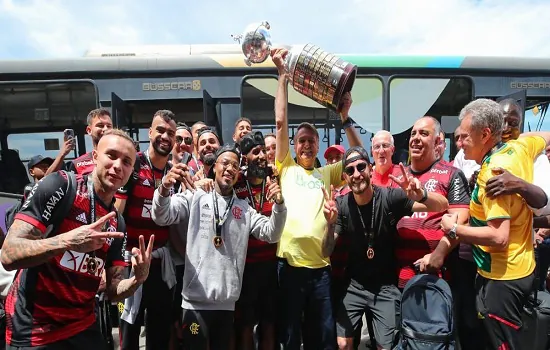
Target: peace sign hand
x,y
330,209
411,185
91,237
141,259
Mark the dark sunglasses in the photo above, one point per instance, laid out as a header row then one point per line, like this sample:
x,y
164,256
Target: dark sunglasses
x,y
188,140
350,170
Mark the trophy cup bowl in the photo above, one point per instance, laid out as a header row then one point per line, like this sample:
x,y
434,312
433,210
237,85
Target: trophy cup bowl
x,y
312,72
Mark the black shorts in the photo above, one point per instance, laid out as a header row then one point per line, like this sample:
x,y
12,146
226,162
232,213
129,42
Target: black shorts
x,y
257,302
206,329
384,305
89,339
500,305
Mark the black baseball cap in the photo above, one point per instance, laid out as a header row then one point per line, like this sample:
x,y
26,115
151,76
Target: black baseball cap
x,y
38,159
225,148
251,140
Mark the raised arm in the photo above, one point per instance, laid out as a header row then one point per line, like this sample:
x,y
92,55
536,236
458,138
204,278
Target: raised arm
x,y
281,106
171,209
347,125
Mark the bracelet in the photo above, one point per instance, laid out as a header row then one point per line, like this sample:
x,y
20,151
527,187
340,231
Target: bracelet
x,y
424,197
347,124
166,188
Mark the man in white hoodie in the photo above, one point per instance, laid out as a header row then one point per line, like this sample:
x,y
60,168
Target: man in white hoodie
x,y
216,245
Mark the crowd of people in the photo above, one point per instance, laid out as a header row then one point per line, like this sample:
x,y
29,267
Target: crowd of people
x,y
242,246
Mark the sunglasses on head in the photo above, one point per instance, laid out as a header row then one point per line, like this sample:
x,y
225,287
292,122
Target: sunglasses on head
x,y
188,140
350,169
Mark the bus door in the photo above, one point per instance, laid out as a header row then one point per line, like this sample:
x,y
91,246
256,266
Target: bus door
x,y
120,113
210,111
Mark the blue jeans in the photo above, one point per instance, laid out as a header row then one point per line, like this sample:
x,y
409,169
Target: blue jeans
x,y
305,291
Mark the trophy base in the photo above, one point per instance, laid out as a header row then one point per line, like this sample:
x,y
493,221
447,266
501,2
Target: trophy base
x,y
344,85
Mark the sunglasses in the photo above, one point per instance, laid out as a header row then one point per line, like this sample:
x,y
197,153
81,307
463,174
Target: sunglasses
x,y
188,140
350,170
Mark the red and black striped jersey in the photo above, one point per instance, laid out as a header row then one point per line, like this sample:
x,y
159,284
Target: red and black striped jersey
x,y
82,165
55,300
419,234
258,251
138,193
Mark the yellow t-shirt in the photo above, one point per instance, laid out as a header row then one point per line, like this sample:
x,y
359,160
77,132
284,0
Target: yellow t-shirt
x,y
305,224
518,260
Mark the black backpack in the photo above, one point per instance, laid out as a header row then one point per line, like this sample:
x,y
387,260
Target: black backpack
x,y
427,314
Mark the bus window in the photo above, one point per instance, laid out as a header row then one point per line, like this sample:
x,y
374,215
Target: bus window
x,y
412,98
46,144
258,98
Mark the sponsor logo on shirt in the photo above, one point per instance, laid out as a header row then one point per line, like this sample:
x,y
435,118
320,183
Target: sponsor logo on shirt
x,y
85,163
76,261
309,183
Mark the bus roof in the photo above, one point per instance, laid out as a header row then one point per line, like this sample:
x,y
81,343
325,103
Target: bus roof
x,y
213,57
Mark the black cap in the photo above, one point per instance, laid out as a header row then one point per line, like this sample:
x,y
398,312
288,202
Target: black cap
x,y
38,159
225,148
207,130
362,154
251,140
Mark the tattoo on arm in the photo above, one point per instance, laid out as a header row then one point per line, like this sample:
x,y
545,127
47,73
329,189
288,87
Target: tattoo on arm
x,y
24,247
329,241
118,287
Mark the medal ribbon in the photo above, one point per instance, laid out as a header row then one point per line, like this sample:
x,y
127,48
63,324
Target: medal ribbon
x,y
218,222
251,196
92,262
164,172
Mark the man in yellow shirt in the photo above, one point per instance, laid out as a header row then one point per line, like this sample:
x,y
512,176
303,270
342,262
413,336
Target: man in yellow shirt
x,y
500,227
304,272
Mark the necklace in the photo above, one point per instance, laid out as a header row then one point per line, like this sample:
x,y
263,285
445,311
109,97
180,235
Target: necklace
x,y
368,233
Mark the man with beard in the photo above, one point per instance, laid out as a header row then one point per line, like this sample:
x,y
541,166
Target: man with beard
x,y
99,121
367,216
183,147
135,200
256,304
194,163
216,243
304,273
208,143
51,302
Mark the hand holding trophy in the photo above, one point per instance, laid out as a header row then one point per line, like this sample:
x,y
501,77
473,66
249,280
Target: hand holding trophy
x,y
312,72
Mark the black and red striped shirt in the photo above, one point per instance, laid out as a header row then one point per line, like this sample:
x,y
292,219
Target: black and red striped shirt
x,y
258,251
138,193
82,165
55,300
419,234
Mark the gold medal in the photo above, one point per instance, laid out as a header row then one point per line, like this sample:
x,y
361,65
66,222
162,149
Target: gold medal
x,y
218,241
370,253
91,265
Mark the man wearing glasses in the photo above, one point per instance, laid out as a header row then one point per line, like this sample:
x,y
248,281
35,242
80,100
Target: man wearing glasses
x,y
382,152
368,217
183,148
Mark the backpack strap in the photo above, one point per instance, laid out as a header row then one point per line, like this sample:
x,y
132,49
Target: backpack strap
x,y
66,202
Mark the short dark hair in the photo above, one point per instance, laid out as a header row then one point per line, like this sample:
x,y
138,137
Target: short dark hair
x,y
165,114
270,135
98,112
198,123
181,125
309,126
243,119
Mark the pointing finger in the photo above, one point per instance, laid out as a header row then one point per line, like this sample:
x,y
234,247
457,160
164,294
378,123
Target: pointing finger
x,y
101,221
107,235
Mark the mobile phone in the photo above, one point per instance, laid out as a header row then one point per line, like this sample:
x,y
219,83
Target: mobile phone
x,y
186,158
69,134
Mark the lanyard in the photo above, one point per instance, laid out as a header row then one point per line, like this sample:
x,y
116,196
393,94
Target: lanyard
x,y
251,196
146,153
370,232
92,263
218,222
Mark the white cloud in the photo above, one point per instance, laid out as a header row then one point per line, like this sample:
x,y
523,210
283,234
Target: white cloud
x,y
61,28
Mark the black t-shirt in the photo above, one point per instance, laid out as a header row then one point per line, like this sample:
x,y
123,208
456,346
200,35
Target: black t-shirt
x,y
391,204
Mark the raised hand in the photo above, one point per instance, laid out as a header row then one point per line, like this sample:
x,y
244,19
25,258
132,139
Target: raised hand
x,y
178,173
411,185
274,191
278,56
206,184
345,106
87,238
141,259
329,209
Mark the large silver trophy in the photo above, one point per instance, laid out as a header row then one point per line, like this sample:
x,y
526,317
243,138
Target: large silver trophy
x,y
314,73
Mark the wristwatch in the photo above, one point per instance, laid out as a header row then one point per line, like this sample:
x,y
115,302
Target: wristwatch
x,y
452,232
347,124
424,197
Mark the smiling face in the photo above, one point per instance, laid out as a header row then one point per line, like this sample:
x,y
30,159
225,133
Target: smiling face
x,y
306,146
357,174
226,171
208,143
162,135
423,141
98,125
114,161
382,150
242,128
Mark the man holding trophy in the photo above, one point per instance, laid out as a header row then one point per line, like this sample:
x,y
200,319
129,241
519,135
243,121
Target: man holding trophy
x,y
303,271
